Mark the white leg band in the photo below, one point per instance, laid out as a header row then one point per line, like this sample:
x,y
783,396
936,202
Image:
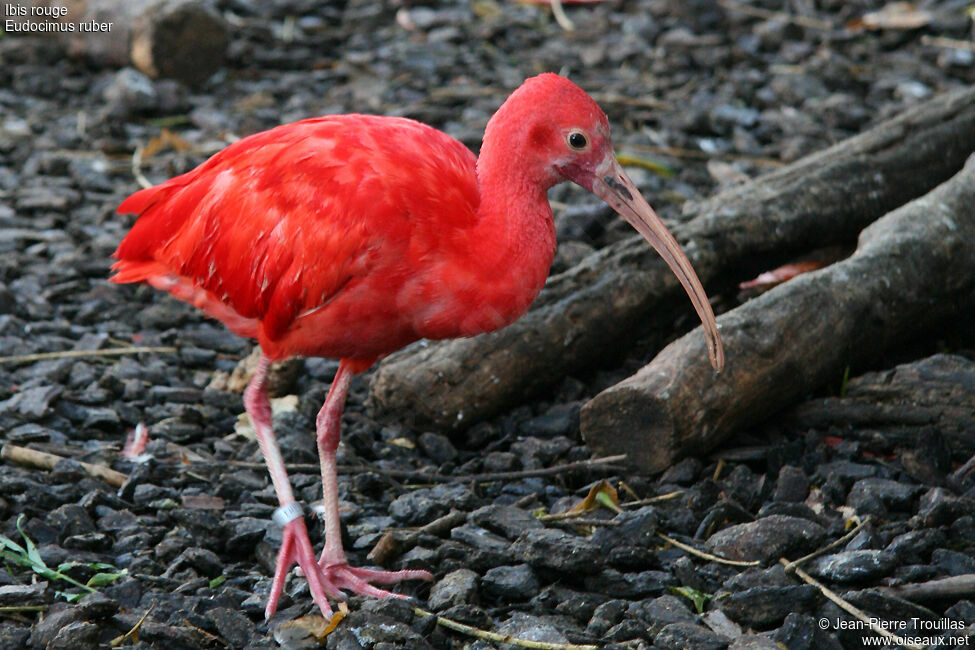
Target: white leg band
x,y
287,513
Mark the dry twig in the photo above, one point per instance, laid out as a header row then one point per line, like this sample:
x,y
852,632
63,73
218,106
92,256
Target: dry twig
x,y
854,611
433,477
45,460
758,12
706,556
842,540
501,638
78,354
962,586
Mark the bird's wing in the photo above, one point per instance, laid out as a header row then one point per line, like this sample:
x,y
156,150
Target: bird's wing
x,y
278,223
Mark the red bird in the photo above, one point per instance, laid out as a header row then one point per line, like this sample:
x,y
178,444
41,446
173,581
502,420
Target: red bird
x,y
350,236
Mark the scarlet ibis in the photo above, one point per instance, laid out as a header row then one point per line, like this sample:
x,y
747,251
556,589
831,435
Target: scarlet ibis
x,y
350,236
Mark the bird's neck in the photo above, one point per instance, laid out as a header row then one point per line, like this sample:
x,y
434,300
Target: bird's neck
x,y
515,235
496,268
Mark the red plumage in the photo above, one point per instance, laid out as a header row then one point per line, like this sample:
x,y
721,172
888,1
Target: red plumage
x,y
276,228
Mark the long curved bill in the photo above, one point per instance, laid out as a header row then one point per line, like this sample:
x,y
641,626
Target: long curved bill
x,y
614,187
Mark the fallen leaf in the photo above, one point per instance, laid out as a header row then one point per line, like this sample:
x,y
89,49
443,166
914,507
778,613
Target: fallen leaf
x,y
769,279
600,494
896,15
165,140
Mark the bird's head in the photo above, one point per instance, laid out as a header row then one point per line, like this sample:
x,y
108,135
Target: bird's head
x,y
564,135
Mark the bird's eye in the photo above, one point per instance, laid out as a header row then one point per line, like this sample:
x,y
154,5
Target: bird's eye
x,y
577,140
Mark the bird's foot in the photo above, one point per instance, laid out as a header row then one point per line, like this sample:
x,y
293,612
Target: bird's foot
x,y
328,577
359,580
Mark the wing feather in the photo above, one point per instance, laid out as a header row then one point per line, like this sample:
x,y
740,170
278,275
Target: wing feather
x,y
277,224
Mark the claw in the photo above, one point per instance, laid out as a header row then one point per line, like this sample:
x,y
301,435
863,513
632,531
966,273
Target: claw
x,y
329,576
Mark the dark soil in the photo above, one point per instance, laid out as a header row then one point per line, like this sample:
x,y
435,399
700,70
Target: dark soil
x,y
706,88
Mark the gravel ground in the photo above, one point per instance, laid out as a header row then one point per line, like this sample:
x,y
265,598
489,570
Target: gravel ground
x,y
716,91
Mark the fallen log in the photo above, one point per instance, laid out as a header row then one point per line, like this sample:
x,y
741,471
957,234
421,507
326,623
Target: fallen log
x,y
896,405
176,39
585,317
911,269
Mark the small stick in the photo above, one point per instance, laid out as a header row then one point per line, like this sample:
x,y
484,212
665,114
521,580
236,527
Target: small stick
x,y
392,544
77,354
45,460
948,43
583,521
706,556
942,588
758,12
526,500
16,609
137,168
850,608
562,516
560,17
119,640
501,638
651,500
842,540
432,477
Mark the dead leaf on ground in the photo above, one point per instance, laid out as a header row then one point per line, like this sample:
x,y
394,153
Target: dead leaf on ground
x,y
769,279
601,494
896,15
165,140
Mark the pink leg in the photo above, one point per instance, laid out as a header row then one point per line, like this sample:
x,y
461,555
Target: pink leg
x,y
337,572
295,547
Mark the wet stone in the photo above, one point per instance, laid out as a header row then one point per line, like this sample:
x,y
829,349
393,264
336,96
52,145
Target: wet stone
x,y
663,610
557,550
677,636
232,625
203,560
33,403
938,507
506,520
763,607
754,642
536,628
479,538
633,528
792,485
97,606
850,567
13,636
398,609
953,563
685,472
456,588
606,616
57,617
878,496
77,635
629,585
767,539
802,632
626,630
560,419
70,519
33,594
423,506
437,446
510,583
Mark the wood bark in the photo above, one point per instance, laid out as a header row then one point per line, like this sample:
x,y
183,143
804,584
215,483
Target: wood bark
x,y
911,269
893,407
176,39
585,317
